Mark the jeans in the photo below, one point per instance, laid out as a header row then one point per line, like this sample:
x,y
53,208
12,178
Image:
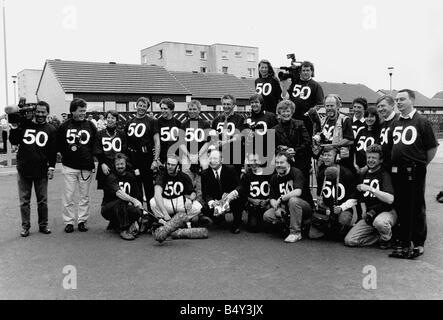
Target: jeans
x,y
174,206
41,193
72,178
363,234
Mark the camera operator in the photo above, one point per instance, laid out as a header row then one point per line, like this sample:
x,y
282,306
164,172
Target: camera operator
x,y
305,92
76,140
35,164
268,86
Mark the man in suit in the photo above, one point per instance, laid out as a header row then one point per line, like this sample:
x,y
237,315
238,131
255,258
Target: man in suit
x,y
218,180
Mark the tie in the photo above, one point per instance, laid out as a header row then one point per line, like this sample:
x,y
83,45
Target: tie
x,y
217,177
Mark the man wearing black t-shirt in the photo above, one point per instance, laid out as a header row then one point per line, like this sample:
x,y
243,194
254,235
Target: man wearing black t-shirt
x,y
385,107
174,192
376,196
414,145
359,106
169,127
287,200
76,140
122,199
35,164
143,140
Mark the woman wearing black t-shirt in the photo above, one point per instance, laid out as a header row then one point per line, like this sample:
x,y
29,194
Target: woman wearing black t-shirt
x,y
268,86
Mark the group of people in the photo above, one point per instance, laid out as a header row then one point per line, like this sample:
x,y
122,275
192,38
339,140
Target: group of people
x,y
370,169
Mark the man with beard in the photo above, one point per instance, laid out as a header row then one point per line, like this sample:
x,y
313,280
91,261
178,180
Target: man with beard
x,y
258,123
227,127
110,141
359,106
336,200
385,106
375,198
218,181
174,193
254,189
414,145
143,140
169,127
194,151
121,204
288,201
76,138
306,93
35,165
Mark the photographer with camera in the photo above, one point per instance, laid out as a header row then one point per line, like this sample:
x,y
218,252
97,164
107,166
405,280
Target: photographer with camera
x,y
194,151
336,198
76,140
304,91
36,158
268,86
376,196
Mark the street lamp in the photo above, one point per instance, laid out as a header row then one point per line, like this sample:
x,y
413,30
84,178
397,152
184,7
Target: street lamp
x,y
390,70
14,81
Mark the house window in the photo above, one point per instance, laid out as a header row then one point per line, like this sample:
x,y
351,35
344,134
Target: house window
x,y
251,56
251,72
160,54
189,52
238,54
145,59
224,54
203,55
120,106
225,69
203,69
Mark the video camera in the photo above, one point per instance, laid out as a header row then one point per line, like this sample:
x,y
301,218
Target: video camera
x,y
291,72
22,111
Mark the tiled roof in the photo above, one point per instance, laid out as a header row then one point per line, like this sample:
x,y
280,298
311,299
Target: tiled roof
x,y
349,91
420,99
213,85
75,76
438,95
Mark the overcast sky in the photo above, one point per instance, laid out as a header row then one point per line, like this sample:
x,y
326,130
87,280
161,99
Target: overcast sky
x,y
348,41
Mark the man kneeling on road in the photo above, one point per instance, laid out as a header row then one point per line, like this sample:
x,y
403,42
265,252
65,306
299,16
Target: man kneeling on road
x,y
287,200
174,193
122,204
376,198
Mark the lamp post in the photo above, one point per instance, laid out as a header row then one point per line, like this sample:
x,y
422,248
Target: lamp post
x,y
390,70
14,81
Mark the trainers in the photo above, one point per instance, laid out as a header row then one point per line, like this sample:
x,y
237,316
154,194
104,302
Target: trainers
x,y
126,235
24,232
69,228
44,230
82,227
293,237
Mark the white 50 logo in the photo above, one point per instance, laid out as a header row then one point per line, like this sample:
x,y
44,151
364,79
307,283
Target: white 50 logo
x,y
356,130
136,129
263,88
286,187
230,128
40,138
374,184
384,136
109,144
303,92
407,135
329,191
196,134
174,189
125,187
83,136
327,131
262,124
364,142
168,134
256,189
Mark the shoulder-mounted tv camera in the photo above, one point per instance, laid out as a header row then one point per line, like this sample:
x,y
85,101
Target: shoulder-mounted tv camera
x,y
291,72
23,110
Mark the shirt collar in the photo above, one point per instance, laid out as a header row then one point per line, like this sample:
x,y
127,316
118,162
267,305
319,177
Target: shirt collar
x,y
362,119
410,115
218,171
391,116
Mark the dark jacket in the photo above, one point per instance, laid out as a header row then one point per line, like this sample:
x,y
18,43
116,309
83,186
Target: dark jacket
x,y
210,190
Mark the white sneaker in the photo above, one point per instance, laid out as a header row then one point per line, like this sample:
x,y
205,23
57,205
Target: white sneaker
x,y
293,238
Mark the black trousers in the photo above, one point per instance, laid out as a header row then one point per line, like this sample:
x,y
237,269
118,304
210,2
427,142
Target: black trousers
x,y
120,214
143,162
409,192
